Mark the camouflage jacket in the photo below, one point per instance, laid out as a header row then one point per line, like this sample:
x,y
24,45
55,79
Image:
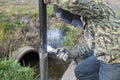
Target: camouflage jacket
x,y
101,37
107,40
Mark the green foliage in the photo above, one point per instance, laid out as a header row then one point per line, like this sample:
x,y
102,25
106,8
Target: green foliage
x,y
20,9
5,22
18,23
11,70
50,11
1,34
1,3
10,16
8,26
71,35
3,17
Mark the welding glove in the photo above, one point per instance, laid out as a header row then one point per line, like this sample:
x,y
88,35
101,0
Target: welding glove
x,y
62,54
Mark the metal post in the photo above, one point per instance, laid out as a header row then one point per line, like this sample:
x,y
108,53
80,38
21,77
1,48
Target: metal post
x,y
43,41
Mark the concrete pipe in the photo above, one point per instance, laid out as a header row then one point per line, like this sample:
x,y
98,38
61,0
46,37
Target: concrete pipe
x,y
26,56
29,56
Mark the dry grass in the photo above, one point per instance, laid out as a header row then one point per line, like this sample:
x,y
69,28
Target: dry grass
x,y
16,39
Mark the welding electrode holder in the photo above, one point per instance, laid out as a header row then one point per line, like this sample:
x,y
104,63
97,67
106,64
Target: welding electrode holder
x,y
62,54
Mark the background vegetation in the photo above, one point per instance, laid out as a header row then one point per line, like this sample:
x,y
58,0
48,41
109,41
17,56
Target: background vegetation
x,y
16,30
11,70
18,24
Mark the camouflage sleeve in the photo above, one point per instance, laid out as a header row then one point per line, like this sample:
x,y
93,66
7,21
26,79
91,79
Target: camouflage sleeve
x,y
80,51
104,38
107,40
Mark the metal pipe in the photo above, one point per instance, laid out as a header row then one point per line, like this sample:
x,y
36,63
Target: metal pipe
x,y
43,41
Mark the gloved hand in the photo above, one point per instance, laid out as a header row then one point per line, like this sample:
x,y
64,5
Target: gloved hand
x,y
62,54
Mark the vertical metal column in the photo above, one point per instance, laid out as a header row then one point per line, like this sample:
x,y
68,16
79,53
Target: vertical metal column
x,y
43,41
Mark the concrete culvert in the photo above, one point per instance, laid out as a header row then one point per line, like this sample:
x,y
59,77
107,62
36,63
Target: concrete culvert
x,y
27,56
29,59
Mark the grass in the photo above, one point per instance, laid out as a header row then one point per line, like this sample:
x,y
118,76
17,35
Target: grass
x,y
1,35
72,35
11,70
50,11
15,8
12,20
9,16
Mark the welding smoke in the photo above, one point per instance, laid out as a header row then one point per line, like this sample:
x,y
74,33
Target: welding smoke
x,y
54,39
